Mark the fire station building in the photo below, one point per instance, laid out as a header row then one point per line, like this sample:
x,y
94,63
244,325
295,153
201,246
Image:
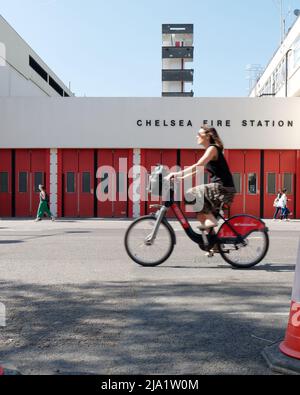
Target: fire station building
x,y
48,136
63,142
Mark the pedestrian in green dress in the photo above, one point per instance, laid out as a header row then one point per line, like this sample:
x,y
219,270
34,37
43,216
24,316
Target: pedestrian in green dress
x,y
43,206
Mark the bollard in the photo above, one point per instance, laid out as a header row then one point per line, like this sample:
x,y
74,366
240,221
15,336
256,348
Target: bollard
x,y
285,356
291,344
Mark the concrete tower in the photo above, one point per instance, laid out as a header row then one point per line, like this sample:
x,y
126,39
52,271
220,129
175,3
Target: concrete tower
x,y
177,51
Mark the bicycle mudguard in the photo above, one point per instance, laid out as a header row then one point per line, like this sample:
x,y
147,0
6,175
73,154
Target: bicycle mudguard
x,y
241,225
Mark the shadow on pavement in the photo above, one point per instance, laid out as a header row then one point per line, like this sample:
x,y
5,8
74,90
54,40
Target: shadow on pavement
x,y
141,327
11,241
213,265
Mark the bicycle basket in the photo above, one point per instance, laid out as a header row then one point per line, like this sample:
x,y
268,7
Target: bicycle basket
x,y
156,180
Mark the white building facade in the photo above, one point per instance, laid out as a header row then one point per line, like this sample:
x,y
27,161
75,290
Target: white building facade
x,y
281,77
22,71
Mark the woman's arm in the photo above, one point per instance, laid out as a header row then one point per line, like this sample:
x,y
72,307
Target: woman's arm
x,y
188,175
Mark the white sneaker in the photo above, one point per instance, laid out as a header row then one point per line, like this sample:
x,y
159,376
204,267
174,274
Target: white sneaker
x,y
38,220
53,219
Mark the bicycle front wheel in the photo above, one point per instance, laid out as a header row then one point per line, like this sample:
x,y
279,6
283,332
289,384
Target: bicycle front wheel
x,y
141,250
247,254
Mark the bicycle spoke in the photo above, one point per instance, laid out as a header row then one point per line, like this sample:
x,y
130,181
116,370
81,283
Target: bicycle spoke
x,y
148,254
246,255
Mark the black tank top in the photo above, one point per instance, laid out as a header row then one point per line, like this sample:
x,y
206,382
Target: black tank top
x,y
219,170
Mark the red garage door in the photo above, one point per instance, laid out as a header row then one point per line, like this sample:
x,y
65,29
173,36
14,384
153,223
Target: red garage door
x,y
5,183
78,183
150,158
112,190
245,166
31,169
280,172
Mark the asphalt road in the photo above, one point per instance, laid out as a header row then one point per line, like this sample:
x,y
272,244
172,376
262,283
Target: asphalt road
x,y
76,303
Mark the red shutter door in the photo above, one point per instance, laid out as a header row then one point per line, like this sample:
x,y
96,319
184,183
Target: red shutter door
x,y
5,183
70,183
272,181
86,183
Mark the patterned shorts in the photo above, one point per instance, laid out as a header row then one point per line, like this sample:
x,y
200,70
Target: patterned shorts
x,y
205,198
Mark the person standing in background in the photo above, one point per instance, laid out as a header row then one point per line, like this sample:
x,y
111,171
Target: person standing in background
x,y
44,205
283,204
277,206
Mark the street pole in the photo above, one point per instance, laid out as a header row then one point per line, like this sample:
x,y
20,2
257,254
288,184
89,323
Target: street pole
x,y
281,22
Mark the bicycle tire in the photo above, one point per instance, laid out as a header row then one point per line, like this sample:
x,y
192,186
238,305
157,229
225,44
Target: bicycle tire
x,y
252,245
169,249
255,262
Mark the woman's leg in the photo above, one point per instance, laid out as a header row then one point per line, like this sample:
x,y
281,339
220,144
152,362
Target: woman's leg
x,y
278,211
207,219
43,208
48,212
40,211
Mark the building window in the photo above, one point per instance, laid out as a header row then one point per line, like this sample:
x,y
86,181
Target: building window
x,y
105,183
288,182
70,182
55,86
3,182
252,184
271,183
296,46
86,182
237,182
38,180
23,182
38,69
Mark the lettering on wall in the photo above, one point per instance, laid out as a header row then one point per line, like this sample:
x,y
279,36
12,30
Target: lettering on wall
x,y
251,123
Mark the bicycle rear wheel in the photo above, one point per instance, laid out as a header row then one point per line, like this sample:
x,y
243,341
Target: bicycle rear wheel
x,y
248,252
137,242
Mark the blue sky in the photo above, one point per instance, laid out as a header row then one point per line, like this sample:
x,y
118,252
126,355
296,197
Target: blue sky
x,y
113,47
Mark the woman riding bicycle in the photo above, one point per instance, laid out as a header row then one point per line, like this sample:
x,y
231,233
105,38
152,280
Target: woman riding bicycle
x,y
221,190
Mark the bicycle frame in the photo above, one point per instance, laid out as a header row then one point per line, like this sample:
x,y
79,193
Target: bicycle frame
x,y
205,241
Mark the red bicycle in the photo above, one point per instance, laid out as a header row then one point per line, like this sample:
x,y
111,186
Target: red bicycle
x,y
242,240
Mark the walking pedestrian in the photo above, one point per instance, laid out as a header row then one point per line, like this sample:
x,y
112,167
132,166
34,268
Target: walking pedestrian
x,y
277,206
283,202
44,205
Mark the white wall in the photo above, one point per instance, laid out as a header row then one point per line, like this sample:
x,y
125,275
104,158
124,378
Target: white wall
x,y
172,86
171,64
112,122
278,56
13,83
16,51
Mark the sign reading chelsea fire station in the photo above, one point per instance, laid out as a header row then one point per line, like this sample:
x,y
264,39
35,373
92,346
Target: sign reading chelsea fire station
x,y
216,123
148,123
